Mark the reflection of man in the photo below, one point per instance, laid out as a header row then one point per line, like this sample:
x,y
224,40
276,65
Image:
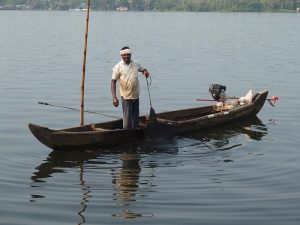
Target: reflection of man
x,y
126,72
126,182
127,179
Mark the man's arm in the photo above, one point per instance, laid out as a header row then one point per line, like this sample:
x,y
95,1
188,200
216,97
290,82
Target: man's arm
x,y
113,93
143,70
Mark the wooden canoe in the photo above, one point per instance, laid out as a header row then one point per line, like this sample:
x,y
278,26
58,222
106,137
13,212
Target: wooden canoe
x,y
177,122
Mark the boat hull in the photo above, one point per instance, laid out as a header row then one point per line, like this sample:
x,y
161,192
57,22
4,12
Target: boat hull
x,y
77,140
194,119
94,136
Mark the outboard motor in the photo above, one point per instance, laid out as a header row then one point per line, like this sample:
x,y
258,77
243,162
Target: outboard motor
x,y
217,91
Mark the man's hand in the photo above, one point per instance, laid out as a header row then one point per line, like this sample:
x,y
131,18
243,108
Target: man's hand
x,y
113,93
146,73
115,102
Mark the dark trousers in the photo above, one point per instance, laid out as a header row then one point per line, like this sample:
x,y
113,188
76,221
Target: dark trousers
x,y
130,113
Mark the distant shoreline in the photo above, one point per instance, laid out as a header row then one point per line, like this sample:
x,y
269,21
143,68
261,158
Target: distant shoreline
x,y
221,11
156,5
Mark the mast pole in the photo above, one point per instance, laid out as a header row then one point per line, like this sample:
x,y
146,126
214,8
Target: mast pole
x,y
88,2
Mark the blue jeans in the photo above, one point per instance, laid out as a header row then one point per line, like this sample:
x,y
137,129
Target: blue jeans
x,y
130,113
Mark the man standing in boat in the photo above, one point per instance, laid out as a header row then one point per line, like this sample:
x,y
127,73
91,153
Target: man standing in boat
x,y
126,72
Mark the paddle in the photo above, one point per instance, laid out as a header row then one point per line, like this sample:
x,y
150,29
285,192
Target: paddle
x,y
152,116
155,128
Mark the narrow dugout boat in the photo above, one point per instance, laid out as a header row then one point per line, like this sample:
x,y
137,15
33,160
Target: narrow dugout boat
x,y
94,136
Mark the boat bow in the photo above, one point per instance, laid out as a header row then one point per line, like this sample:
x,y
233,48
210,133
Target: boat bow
x,y
43,134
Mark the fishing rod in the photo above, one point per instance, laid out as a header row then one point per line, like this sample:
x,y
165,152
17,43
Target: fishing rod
x,y
66,107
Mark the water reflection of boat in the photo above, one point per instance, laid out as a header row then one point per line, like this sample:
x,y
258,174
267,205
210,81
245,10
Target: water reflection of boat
x,y
253,129
56,162
127,185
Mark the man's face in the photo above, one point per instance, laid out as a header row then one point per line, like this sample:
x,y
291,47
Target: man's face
x,y
126,58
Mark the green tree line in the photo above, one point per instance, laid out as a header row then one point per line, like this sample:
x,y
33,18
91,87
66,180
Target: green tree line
x,y
160,5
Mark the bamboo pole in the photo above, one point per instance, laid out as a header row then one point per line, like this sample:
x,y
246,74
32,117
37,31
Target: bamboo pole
x,y
84,63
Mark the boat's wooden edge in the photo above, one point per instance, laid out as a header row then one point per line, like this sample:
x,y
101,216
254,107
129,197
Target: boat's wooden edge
x,y
256,105
260,100
43,134
94,128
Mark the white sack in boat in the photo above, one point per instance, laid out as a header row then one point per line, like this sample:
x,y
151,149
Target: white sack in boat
x,y
247,98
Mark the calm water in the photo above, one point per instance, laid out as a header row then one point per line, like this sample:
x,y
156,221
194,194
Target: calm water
x,y
247,173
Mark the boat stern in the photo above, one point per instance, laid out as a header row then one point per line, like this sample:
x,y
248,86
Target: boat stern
x,y
259,100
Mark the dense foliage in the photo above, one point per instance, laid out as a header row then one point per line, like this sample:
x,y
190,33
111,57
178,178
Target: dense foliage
x,y
160,5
